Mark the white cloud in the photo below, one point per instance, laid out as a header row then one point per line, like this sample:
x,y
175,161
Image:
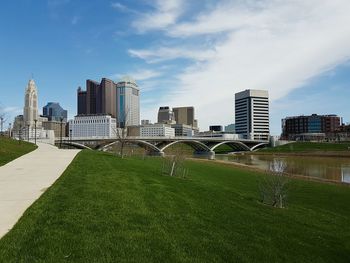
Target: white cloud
x,y
274,45
166,13
123,8
140,75
165,53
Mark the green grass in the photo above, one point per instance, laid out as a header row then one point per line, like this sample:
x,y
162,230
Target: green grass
x,y
107,209
309,147
11,149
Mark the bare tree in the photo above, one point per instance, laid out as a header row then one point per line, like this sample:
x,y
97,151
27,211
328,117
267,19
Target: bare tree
x,y
3,119
121,130
274,187
175,165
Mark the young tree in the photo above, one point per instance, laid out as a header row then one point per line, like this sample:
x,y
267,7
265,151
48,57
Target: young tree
x,y
274,187
121,130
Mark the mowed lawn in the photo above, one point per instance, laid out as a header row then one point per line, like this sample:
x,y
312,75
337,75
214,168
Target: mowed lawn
x,y
11,149
309,147
107,209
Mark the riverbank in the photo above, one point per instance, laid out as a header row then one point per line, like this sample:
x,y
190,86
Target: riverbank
x,y
265,171
324,149
104,208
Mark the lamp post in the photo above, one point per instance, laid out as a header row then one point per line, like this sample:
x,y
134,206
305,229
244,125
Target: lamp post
x,y
61,132
2,123
70,135
28,132
35,121
10,130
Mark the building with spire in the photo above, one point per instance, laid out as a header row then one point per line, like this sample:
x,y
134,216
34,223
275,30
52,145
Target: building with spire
x,y
30,111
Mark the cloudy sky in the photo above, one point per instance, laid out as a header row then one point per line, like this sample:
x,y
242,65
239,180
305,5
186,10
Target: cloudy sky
x,y
181,53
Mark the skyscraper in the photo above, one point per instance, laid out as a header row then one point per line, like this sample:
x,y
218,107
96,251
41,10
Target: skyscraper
x,y
82,102
185,115
54,112
30,111
165,115
252,114
128,102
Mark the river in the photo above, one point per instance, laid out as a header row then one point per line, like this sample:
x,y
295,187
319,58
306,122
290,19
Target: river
x,y
322,168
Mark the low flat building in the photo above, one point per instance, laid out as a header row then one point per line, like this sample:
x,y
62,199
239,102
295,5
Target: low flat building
x,y
183,130
90,126
298,127
157,130
216,128
58,128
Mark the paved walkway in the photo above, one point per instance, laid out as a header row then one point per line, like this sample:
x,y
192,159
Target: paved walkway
x,y
23,180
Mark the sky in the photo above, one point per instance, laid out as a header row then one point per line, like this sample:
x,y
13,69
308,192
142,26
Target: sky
x,y
181,53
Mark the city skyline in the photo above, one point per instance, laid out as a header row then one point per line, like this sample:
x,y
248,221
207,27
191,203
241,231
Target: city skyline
x,y
177,61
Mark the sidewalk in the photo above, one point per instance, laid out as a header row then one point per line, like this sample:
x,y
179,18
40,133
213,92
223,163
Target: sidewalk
x,y
23,180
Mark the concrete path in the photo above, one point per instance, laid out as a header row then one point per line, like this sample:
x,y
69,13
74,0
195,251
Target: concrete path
x,y
23,180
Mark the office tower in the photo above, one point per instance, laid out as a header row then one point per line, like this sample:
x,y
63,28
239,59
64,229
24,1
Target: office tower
x,y
230,128
252,114
54,112
128,102
145,122
109,97
93,97
103,126
185,115
82,103
30,111
165,115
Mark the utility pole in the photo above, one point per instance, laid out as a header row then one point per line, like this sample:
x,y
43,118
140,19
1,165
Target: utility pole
x,y
10,130
1,122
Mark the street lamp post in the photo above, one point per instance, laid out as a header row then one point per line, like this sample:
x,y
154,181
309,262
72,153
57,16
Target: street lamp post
x,y
35,121
28,132
70,135
2,123
10,130
61,132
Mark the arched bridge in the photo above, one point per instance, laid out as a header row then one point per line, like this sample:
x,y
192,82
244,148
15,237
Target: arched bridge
x,y
158,145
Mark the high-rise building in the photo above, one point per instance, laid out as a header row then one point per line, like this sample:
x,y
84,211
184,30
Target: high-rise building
x,y
128,102
93,126
165,115
93,97
109,97
252,114
120,100
82,102
30,111
185,115
54,112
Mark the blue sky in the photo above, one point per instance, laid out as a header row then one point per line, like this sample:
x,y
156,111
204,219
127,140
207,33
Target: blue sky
x,y
181,53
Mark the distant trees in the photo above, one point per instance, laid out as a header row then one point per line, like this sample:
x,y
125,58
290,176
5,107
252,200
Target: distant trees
x,y
274,186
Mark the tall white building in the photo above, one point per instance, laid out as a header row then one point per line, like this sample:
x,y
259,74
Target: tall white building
x,y
128,102
252,114
89,126
30,110
157,130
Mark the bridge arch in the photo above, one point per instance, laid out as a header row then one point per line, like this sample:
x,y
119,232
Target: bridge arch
x,y
141,143
76,145
230,143
196,145
258,145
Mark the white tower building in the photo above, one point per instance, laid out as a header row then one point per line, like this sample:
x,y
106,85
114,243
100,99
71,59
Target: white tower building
x,y
30,111
252,114
128,102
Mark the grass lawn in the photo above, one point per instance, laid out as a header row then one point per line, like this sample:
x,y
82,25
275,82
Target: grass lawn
x,y
11,149
107,209
309,147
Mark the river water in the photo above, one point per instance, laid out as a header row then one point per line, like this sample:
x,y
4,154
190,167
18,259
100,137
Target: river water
x,y
322,168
